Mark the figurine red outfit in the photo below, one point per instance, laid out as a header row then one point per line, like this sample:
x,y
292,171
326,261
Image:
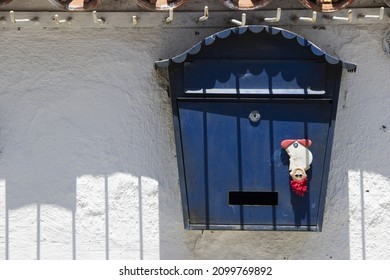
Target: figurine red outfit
x,y
300,160
299,187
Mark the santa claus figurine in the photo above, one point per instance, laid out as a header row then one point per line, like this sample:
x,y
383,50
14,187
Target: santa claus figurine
x,y
300,160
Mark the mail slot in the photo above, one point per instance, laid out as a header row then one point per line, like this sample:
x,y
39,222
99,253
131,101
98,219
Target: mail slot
x,y
254,111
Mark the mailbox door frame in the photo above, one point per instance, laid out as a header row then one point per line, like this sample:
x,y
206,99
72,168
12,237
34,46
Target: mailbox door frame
x,y
176,90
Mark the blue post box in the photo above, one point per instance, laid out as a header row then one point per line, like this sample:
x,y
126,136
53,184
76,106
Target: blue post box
x,y
254,111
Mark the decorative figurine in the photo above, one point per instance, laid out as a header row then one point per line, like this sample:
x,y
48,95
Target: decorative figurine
x,y
300,160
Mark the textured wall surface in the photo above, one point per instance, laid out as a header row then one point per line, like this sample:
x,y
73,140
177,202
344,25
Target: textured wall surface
x,y
87,157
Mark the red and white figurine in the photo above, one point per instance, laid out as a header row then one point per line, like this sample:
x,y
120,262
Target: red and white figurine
x,y
300,160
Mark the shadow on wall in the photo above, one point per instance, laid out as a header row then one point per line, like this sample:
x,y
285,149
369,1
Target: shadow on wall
x,y
368,212
73,183
363,150
115,217
87,169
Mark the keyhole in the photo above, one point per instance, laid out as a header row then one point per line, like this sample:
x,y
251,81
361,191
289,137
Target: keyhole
x,y
254,116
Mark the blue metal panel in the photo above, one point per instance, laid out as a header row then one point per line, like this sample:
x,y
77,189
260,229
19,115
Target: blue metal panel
x,y
224,151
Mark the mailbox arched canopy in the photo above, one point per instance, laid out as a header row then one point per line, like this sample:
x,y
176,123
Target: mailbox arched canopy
x,y
255,42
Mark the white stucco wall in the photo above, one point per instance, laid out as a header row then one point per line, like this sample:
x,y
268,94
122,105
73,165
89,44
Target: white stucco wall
x,y
87,157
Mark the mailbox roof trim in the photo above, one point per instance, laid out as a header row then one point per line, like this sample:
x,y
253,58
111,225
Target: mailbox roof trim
x,y
164,63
